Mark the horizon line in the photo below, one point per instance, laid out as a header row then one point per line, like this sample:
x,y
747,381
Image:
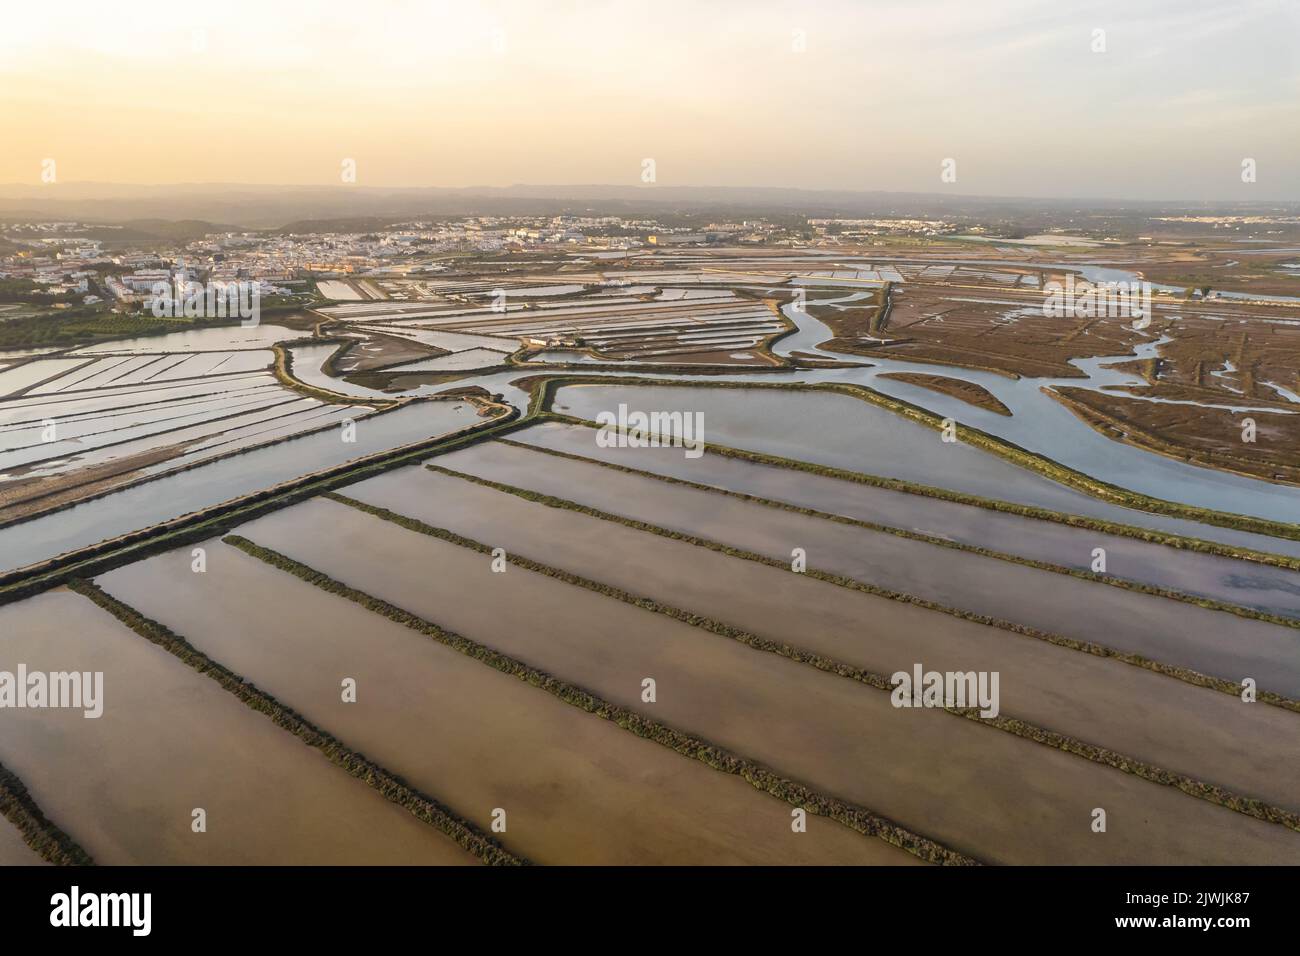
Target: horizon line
x,y
634,187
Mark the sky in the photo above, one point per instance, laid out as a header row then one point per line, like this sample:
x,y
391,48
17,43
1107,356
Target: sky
x,y
1027,98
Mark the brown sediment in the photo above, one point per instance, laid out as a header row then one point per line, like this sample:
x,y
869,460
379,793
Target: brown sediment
x,y
1216,269
969,392
25,497
1132,655
68,491
393,350
925,322
1209,437
823,360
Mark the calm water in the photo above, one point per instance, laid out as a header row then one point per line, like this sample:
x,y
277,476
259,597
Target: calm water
x,y
168,497
828,429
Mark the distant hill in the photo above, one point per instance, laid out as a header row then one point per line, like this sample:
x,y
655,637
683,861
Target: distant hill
x,y
352,224
181,229
156,209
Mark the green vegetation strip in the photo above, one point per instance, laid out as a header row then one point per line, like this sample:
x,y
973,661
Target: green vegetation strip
x,y
44,837
423,807
979,439
1102,755
1099,650
857,818
911,535
80,325
283,371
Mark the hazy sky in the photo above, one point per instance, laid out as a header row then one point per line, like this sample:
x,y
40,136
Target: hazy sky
x,y
717,93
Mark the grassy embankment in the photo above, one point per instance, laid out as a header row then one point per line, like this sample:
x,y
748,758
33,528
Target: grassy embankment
x,y
44,837
283,369
960,389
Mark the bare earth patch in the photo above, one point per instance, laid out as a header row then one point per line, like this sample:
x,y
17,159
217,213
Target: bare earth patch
x,y
1211,437
968,392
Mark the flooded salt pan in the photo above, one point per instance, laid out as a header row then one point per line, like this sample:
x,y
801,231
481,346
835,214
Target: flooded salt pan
x,y
994,795
125,785
219,339
845,432
162,499
1129,709
1206,641
1263,587
471,736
